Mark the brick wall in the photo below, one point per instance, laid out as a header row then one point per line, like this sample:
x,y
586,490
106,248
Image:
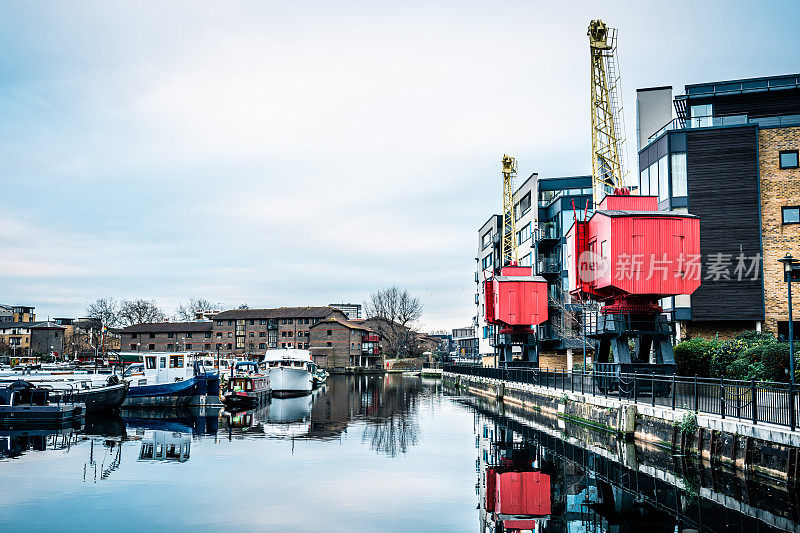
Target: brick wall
x,y
162,342
779,188
335,346
708,330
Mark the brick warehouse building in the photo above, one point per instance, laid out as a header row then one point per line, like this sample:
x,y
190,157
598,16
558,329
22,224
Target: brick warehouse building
x,y
339,343
252,331
731,157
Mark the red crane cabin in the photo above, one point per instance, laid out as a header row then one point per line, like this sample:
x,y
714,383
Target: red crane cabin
x,y
629,248
516,297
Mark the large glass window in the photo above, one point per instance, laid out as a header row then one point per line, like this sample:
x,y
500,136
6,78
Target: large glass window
x,y
701,116
679,187
653,172
486,240
526,261
524,234
644,183
663,179
791,215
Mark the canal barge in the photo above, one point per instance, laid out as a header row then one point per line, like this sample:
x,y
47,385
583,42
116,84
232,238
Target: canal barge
x,y
23,404
165,379
247,388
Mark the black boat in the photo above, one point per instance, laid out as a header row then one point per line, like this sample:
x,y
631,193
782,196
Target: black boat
x,y
246,388
23,404
106,398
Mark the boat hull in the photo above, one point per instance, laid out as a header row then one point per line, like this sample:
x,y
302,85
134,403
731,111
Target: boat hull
x,y
176,394
100,399
245,400
288,381
40,416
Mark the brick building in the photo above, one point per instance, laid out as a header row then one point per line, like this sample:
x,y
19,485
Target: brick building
x,y
729,157
168,337
338,343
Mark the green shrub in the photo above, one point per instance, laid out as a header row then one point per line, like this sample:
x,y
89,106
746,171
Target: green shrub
x,y
693,356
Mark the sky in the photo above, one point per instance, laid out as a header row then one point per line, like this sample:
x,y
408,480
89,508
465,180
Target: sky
x,y
303,153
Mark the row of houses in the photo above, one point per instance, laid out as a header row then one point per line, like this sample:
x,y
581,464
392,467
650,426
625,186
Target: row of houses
x,y
726,151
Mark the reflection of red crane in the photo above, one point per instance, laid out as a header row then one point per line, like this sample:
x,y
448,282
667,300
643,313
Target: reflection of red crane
x,y
517,494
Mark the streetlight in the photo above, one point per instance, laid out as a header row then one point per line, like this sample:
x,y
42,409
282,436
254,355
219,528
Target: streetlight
x,y
789,264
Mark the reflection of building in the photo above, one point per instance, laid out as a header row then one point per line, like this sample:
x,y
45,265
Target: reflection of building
x,y
158,445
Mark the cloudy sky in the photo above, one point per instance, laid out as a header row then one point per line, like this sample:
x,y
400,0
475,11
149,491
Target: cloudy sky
x,y
301,153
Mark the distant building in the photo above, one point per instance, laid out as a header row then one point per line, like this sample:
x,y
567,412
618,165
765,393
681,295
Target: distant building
x,y
17,313
37,338
168,337
464,341
352,311
338,343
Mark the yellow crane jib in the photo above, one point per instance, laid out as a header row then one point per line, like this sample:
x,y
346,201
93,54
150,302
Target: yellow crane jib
x,y
509,241
608,131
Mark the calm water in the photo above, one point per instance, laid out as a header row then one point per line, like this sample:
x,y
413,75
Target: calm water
x,y
386,453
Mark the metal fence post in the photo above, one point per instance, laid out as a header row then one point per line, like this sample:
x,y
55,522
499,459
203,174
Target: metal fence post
x,y
792,420
653,390
673,392
635,394
722,397
754,400
696,397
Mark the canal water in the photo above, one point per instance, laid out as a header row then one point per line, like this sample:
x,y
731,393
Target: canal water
x,y
363,453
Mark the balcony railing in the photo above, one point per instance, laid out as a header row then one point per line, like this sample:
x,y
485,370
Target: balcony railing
x,y
547,232
732,120
548,265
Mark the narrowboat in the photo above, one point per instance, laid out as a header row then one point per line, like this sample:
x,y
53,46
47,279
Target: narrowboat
x,y
247,387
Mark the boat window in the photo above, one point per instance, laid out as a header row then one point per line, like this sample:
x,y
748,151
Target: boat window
x,y
162,362
151,362
176,361
248,386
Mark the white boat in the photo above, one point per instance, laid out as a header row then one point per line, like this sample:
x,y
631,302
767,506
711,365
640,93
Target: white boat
x,y
167,379
289,371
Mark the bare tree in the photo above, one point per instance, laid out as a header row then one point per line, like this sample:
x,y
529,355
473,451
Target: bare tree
x,y
106,310
194,306
394,312
140,311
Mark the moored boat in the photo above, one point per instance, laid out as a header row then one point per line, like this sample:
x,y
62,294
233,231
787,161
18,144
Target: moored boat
x,y
320,375
98,393
23,404
247,387
165,379
289,371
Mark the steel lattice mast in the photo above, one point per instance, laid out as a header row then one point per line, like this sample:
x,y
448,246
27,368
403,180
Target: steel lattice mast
x,y
509,243
608,132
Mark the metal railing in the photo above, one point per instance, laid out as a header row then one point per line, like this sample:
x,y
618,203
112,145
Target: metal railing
x,y
752,401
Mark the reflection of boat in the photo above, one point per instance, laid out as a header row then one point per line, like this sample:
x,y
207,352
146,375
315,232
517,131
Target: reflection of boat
x,y
289,417
247,387
165,379
23,404
14,443
289,371
194,420
160,445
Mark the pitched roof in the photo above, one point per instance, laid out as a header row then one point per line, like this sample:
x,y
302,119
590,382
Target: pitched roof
x,y
169,327
349,324
32,325
280,312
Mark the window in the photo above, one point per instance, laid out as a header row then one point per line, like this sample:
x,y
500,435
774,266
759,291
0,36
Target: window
x,y
230,334
170,347
663,179
329,344
170,335
330,332
133,347
262,322
230,322
252,334
176,361
644,183
701,116
252,322
188,346
679,187
524,234
262,333
790,215
283,333
487,262
206,346
162,362
152,335
283,345
219,334
134,335
526,261
230,346
522,207
208,335
788,159
150,362
188,335
262,345
486,240
291,333
151,347
653,173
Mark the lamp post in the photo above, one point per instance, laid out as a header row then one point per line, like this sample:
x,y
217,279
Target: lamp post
x,y
789,264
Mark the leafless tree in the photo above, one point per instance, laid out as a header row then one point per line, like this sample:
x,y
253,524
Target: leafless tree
x,y
189,310
394,312
106,310
140,311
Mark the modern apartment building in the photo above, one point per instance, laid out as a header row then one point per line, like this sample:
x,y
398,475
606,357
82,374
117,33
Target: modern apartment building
x,y
353,311
17,313
37,338
464,341
728,154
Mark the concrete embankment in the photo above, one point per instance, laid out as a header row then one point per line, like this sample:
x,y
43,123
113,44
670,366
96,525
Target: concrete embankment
x,y
764,450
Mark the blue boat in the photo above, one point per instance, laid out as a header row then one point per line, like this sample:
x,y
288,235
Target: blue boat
x,y
165,379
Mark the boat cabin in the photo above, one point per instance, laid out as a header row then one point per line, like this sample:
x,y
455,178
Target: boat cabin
x,y
164,367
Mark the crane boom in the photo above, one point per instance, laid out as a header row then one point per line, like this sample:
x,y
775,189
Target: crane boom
x,y
508,250
608,131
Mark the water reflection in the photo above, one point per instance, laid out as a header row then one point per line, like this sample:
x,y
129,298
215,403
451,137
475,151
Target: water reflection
x,y
158,445
533,476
